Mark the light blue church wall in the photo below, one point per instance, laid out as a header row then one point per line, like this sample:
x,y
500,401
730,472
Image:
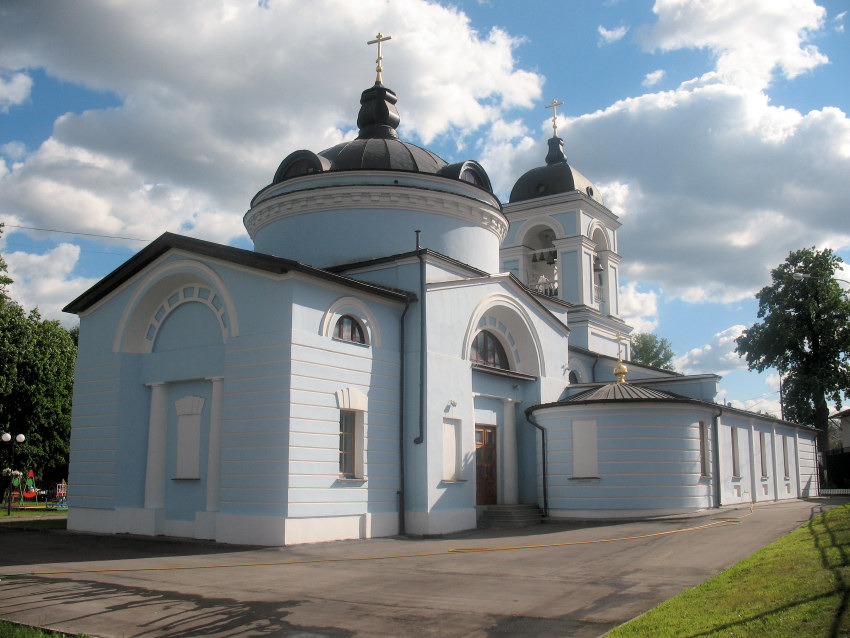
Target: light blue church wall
x,y
644,460
392,233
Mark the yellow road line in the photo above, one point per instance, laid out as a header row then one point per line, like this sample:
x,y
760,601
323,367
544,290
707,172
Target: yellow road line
x,y
718,522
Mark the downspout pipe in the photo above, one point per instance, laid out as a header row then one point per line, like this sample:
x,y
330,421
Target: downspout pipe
x,y
716,454
423,343
593,370
401,506
530,418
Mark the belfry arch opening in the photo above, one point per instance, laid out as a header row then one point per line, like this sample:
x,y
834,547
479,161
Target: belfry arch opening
x,y
541,260
600,268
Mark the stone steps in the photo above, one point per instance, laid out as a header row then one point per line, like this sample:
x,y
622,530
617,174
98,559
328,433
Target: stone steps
x,y
510,516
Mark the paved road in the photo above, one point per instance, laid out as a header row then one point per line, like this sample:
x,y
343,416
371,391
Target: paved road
x,y
577,586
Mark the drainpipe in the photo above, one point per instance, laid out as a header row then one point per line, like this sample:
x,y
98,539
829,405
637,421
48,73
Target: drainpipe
x,y
401,420
716,449
423,344
530,418
593,370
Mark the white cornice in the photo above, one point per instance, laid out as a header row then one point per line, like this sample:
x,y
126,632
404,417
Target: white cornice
x,y
354,197
559,203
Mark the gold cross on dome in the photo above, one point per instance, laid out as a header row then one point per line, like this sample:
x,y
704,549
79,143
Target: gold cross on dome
x,y
554,106
378,40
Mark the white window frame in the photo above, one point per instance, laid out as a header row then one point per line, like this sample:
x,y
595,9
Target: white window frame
x,y
585,450
351,400
452,450
704,449
736,454
189,409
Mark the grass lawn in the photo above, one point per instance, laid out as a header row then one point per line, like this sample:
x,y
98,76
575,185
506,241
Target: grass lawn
x,y
11,630
798,586
36,511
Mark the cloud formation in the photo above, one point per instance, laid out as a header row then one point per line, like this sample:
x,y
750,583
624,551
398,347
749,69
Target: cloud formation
x,y
718,356
608,36
750,39
14,89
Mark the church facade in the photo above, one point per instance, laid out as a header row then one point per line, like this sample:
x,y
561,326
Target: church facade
x,y
399,351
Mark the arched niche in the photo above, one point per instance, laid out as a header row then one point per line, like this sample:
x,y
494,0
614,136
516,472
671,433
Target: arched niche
x,y
510,323
165,289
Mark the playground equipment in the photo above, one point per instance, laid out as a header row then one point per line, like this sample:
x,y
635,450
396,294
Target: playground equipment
x,y
28,492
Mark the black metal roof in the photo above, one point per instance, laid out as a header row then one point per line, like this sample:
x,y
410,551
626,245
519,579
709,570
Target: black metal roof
x,y
554,178
239,256
378,147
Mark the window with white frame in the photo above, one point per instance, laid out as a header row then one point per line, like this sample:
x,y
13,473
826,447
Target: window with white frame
x,y
348,328
352,412
736,458
585,451
189,410
763,450
705,465
785,467
452,455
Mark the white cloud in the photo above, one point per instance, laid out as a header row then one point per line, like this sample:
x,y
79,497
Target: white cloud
x,y
45,280
653,78
749,38
838,22
607,36
712,172
718,356
215,95
639,309
14,89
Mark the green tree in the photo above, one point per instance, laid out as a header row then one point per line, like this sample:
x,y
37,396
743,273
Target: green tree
x,y
650,350
36,383
805,334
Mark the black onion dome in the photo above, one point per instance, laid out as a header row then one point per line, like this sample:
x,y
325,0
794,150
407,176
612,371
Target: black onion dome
x,y
554,178
378,147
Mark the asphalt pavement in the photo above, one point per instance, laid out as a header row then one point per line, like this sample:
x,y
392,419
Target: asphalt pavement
x,y
577,579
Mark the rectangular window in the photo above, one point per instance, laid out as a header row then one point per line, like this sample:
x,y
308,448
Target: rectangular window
x,y
189,410
763,450
736,459
347,444
452,457
705,465
785,457
585,451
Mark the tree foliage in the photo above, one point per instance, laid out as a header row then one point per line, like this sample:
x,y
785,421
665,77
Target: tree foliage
x,y
650,350
36,384
805,334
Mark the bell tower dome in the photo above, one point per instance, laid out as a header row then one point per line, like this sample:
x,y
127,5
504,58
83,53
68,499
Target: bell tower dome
x,y
562,243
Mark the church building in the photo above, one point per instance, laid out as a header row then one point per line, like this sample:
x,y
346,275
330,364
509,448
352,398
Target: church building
x,y
400,353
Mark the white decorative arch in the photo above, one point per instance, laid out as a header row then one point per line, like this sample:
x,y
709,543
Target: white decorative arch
x,y
351,399
541,220
355,307
155,298
513,327
591,230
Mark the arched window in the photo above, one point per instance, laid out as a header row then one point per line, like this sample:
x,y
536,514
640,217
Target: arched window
x,y
573,377
486,350
349,329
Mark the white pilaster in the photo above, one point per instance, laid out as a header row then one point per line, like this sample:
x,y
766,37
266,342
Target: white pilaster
x,y
510,492
214,457
157,452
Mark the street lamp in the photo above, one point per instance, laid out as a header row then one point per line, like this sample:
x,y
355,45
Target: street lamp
x,y
20,438
800,276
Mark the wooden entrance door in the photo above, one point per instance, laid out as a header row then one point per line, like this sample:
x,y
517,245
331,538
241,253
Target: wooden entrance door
x,y
485,465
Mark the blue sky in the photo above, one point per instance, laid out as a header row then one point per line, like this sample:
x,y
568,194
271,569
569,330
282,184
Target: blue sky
x,y
716,129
